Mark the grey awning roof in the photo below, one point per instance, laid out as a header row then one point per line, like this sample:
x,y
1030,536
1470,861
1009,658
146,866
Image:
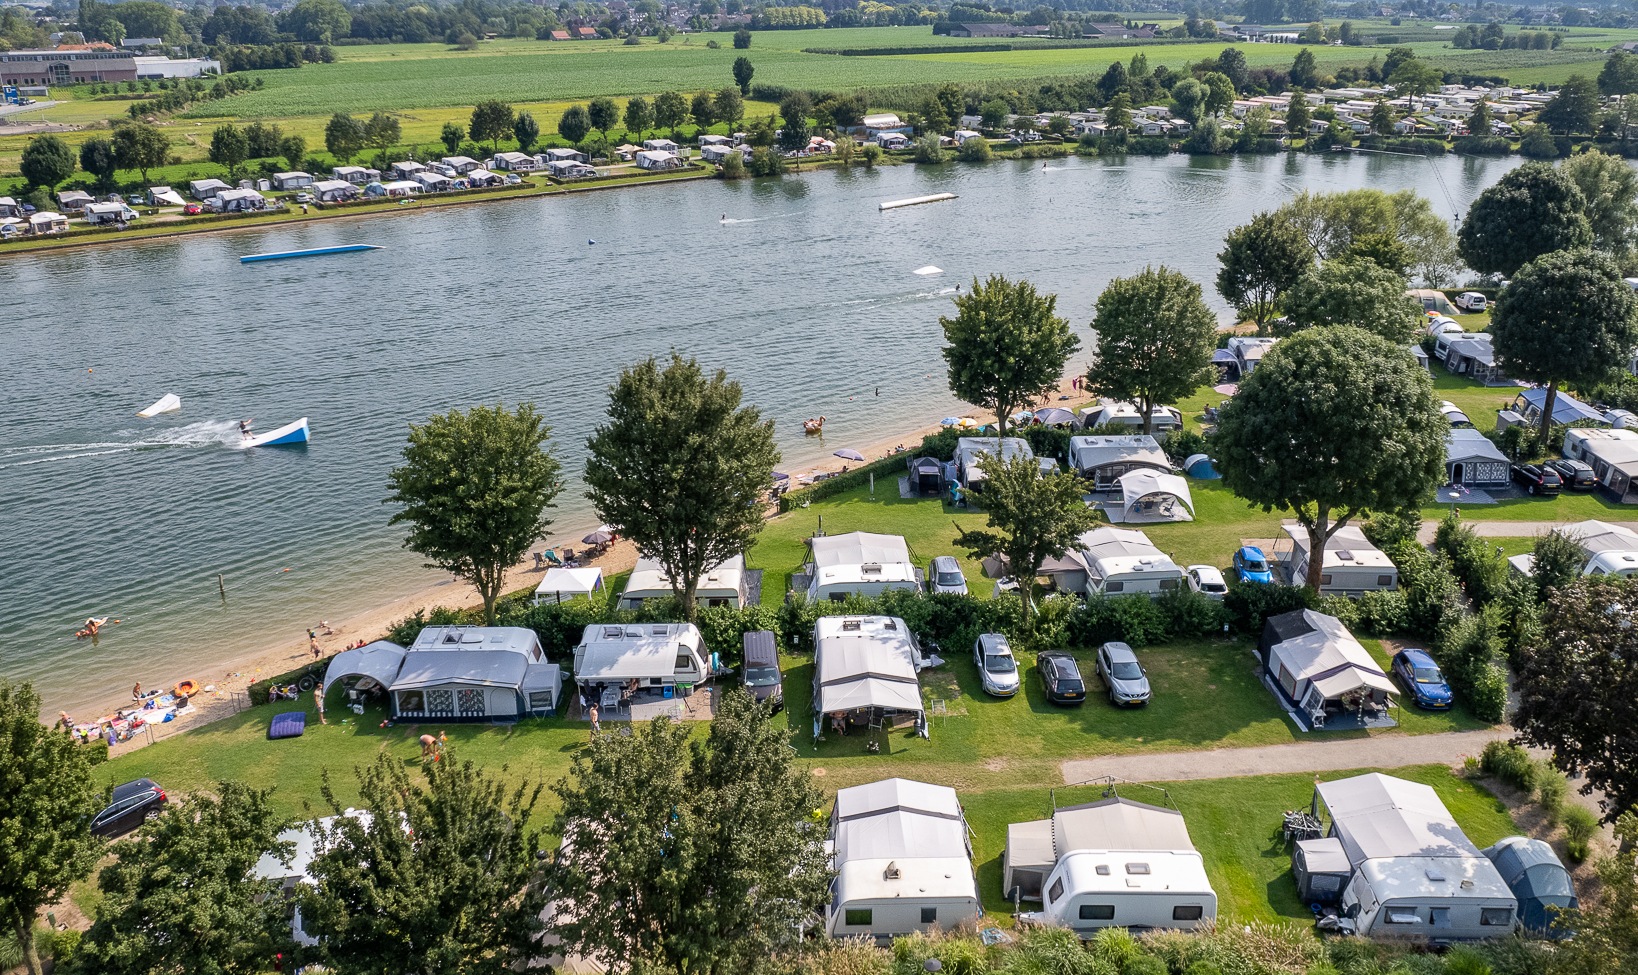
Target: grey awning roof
x,y
429,668
379,661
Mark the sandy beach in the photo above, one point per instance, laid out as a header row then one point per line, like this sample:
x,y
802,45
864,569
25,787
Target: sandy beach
x,y
226,687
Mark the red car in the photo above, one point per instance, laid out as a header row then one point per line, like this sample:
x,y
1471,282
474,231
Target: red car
x,y
192,210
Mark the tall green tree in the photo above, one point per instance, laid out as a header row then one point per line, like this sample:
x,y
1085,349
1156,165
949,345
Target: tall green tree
x,y
48,795
1566,318
743,70
1117,116
1232,63
742,39
604,115
1031,517
730,106
317,21
696,857
1533,210
1304,74
382,132
229,148
1619,76
473,490
1479,122
140,146
182,899
47,161
795,110
441,877
1578,688
1261,261
1219,93
704,110
1414,78
1006,346
1610,188
1354,291
639,116
670,112
1189,100
574,124
1573,108
1382,118
491,122
681,467
526,130
1297,115
1344,422
452,135
97,158
293,148
344,136
1155,340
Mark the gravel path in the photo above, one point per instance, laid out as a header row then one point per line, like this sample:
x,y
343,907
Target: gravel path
x,y
1505,529
1319,755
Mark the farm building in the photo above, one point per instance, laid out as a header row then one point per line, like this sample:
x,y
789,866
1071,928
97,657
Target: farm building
x,y
455,673
1415,874
1109,863
903,860
864,675
1326,680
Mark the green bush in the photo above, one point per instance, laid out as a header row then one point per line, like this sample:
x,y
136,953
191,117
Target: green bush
x,y
1463,960
1487,695
1466,651
1343,608
733,166
1190,615
1390,529
1135,620
1202,968
1144,965
766,161
1482,571
1431,591
1116,945
1509,763
1551,790
1249,604
974,150
928,150
1580,826
1383,612
1180,445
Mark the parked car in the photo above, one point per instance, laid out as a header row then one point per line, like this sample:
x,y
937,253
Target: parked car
x,y
1060,678
762,677
137,200
1251,565
1207,581
1575,475
1537,479
1472,301
1123,675
134,803
304,197
944,575
1422,679
192,210
997,668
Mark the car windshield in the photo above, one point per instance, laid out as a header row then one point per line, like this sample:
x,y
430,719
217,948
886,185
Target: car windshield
x,y
761,676
1069,683
1126,670
1213,587
1428,675
1000,663
950,579
1256,565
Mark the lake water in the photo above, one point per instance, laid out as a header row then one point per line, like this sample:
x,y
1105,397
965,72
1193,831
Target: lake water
x,y
805,294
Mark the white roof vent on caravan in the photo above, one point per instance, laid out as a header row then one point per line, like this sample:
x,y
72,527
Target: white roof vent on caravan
x,y
892,872
613,632
850,625
871,568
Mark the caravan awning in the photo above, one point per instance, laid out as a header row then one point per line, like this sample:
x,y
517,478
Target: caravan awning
x,y
1144,493
560,583
380,661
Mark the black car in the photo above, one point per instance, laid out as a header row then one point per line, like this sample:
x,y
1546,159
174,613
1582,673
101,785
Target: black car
x,y
762,676
134,804
1060,678
1575,475
1537,479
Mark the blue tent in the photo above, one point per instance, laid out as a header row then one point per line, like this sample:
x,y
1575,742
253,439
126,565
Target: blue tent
x,y
1201,467
1566,408
1536,877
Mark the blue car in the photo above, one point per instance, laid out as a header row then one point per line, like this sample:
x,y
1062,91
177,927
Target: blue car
x,y
1422,679
1251,565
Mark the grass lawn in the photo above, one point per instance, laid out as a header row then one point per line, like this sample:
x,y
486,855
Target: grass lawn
x,y
1235,825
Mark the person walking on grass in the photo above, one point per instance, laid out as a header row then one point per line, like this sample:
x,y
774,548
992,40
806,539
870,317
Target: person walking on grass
x,y
318,702
596,726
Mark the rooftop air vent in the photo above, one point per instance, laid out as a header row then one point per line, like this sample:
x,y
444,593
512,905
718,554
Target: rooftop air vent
x,y
870,568
890,625
660,629
849,625
1345,555
892,872
1435,875
613,632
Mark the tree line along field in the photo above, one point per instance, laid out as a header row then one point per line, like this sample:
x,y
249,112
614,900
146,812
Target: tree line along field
x,y
406,77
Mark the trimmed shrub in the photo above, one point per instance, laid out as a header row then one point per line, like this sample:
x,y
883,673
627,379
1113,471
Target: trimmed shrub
x,y
1191,615
1135,620
1390,529
1509,763
1343,608
974,150
1383,612
1483,572
1180,445
1248,605
1487,693
1466,651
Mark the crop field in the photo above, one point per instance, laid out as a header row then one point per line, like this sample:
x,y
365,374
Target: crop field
x,y
425,76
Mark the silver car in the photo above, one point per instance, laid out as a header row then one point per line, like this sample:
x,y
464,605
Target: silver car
x,y
944,575
997,668
1123,675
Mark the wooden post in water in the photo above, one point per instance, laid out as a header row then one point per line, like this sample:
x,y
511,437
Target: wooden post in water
x,y
221,587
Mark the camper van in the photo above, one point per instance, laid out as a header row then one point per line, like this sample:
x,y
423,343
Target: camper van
x,y
859,563
652,654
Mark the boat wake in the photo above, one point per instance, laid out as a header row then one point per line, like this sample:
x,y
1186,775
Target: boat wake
x,y
205,433
729,221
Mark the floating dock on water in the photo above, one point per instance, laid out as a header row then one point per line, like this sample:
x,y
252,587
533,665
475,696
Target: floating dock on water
x,y
310,252
917,201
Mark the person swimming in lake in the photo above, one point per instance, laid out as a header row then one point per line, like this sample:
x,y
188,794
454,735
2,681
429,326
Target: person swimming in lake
x,y
92,626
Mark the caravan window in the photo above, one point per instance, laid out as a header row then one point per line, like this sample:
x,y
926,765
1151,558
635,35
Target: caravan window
x,y
929,915
1138,869
1188,912
1168,584
1384,581
1097,912
684,663
540,700
1113,586
411,701
838,597
1403,915
1441,916
1057,890
1496,916
854,916
1325,580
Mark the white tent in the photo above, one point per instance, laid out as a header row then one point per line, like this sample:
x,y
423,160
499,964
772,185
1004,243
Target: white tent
x,y
1148,495
379,661
864,664
560,583
165,196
